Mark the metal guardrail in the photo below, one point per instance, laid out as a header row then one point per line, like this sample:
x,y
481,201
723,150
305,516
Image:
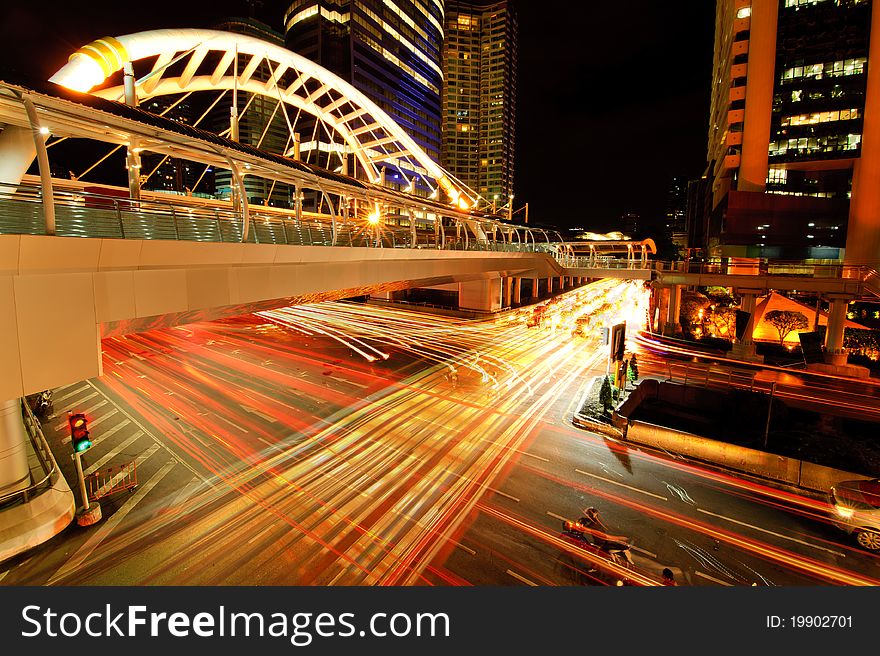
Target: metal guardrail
x,y
79,213
48,471
84,214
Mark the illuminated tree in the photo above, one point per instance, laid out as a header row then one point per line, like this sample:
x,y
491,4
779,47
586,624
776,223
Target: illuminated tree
x,y
633,372
605,394
785,321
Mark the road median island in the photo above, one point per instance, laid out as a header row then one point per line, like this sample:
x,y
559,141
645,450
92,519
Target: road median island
x,y
738,457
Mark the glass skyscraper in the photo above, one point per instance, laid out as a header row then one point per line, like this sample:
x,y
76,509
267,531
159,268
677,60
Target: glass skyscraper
x,y
387,49
479,97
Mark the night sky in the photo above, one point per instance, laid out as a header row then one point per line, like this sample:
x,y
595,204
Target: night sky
x,y
613,97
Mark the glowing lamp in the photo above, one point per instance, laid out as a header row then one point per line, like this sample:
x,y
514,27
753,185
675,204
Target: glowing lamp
x,y
80,74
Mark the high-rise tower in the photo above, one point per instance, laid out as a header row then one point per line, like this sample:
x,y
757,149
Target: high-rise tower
x,y
387,49
794,133
479,97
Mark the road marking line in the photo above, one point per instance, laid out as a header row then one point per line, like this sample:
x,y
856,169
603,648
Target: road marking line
x,y
468,549
158,441
555,516
103,532
503,494
259,414
628,487
338,576
349,382
97,421
243,430
644,551
712,578
522,578
3,575
87,411
769,532
140,459
259,535
269,444
188,490
117,449
73,393
111,431
532,455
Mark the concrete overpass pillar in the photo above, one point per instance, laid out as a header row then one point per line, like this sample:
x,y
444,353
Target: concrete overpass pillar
x,y
673,311
517,291
744,349
14,470
506,285
480,295
560,282
535,294
834,351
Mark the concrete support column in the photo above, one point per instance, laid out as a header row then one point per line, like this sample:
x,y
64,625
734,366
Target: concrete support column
x,y
535,295
14,470
481,295
560,283
506,285
834,351
744,349
748,305
673,310
517,291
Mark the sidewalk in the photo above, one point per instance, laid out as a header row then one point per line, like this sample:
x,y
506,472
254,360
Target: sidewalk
x,y
41,511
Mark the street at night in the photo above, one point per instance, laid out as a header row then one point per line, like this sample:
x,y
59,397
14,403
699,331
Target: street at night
x,y
348,444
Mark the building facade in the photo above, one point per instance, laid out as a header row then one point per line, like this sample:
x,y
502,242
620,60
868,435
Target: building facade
x,y
387,49
794,131
479,97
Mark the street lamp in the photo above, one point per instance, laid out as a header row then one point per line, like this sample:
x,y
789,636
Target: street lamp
x,y
510,209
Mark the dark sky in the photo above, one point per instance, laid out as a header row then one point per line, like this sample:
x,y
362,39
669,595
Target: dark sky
x,y
613,97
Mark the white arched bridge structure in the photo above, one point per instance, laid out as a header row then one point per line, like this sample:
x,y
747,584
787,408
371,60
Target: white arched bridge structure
x,y
185,61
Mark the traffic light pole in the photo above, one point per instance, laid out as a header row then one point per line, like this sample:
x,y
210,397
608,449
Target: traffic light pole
x,y
81,481
89,513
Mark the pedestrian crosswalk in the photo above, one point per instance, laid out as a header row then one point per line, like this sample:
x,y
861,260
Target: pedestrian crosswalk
x,y
118,439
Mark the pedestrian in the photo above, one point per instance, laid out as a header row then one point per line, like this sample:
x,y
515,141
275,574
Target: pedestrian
x,y
668,577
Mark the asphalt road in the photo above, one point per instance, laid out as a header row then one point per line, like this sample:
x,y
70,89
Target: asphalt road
x,y
352,445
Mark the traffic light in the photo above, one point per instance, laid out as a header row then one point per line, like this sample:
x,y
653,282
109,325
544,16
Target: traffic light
x,y
79,431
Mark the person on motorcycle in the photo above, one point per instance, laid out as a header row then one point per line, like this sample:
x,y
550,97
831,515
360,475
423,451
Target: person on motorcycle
x,y
591,520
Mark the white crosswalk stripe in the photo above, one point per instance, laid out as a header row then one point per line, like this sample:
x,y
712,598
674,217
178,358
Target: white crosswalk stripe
x,y
103,532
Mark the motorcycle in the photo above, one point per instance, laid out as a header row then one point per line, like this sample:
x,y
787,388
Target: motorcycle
x,y
616,547
41,404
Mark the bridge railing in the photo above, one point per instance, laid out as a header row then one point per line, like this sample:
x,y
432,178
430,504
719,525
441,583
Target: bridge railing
x,y
80,213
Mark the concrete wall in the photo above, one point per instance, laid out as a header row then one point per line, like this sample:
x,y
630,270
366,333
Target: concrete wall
x,y
788,470
60,294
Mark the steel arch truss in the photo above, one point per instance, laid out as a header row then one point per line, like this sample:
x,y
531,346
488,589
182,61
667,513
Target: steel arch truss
x,y
191,60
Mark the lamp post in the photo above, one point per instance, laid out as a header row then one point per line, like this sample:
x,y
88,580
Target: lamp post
x,y
510,209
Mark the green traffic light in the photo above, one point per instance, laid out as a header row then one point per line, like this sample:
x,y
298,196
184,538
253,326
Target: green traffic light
x,y
83,445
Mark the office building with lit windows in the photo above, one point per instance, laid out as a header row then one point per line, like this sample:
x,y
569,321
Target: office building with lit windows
x,y
479,97
387,49
794,133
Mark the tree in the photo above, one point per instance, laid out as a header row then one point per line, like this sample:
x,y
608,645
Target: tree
x,y
605,394
633,373
786,321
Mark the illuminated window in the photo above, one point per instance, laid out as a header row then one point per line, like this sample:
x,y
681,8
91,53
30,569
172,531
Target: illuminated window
x,y
744,12
821,117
